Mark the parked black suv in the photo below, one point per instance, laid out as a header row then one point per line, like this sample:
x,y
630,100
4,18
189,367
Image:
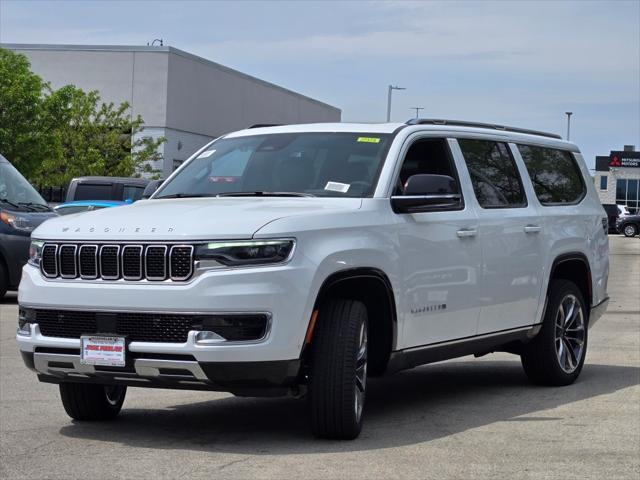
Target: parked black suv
x,y
21,210
106,188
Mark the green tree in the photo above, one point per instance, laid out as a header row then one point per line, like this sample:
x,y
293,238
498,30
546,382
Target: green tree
x,y
22,140
93,138
53,136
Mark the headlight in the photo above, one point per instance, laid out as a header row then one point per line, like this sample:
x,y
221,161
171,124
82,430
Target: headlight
x,y
16,221
35,252
250,252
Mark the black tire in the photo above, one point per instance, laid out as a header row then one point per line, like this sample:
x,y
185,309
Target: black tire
x,y
4,280
90,402
541,357
338,373
630,230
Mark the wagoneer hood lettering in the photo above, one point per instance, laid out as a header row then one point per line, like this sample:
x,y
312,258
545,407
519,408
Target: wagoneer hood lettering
x,y
188,219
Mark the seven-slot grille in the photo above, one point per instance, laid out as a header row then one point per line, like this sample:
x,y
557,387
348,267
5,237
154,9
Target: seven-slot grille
x,y
154,262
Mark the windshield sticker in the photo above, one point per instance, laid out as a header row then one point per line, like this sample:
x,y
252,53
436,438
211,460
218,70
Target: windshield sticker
x,y
337,187
206,154
214,179
368,140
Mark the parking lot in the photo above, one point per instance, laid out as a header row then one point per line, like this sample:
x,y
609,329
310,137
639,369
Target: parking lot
x,y
459,419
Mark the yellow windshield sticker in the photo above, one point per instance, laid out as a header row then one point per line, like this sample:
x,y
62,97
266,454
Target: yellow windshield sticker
x,y
368,140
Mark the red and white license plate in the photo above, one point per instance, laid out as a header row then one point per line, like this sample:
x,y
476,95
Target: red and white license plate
x,y
105,351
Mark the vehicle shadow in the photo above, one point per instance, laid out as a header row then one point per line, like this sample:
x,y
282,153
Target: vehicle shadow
x,y
10,298
408,408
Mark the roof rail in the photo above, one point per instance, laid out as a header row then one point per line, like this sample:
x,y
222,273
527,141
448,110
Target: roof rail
x,y
460,123
263,125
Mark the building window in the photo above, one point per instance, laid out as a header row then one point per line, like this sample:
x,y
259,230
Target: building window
x,y
628,193
603,182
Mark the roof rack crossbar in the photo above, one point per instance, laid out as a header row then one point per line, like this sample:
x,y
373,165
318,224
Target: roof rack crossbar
x,y
492,126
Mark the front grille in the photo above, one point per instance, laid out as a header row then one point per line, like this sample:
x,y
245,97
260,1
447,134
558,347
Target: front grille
x,y
180,263
152,262
109,267
149,327
49,262
156,262
68,261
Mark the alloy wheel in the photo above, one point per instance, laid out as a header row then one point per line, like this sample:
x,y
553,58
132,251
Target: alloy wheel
x,y
569,333
361,370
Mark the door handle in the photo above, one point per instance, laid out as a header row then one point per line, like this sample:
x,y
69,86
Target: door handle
x,y
467,232
532,229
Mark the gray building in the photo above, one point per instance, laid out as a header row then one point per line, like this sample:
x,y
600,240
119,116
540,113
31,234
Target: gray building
x,y
185,98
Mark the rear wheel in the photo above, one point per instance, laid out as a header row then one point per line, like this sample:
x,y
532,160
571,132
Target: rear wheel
x,y
556,355
338,375
630,230
92,402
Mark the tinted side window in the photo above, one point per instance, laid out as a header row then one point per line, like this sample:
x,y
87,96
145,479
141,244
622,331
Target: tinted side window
x,y
494,174
426,156
93,191
554,173
132,192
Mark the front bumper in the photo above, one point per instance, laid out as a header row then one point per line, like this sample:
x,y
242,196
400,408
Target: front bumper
x,y
57,360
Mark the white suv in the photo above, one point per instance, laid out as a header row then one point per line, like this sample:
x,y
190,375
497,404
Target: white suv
x,y
302,259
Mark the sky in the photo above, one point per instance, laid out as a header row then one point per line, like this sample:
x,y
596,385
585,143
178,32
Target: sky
x,y
519,63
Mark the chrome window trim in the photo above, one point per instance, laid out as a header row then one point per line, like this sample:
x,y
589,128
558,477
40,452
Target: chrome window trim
x,y
95,261
55,257
146,250
191,247
75,260
121,256
110,277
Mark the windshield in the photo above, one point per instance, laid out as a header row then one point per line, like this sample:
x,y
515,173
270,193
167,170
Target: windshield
x,y
317,164
14,189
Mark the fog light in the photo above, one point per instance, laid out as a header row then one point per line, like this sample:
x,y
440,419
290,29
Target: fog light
x,y
25,318
208,337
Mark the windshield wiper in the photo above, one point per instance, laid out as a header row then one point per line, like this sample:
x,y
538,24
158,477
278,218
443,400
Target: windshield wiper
x,y
265,194
45,208
8,202
188,195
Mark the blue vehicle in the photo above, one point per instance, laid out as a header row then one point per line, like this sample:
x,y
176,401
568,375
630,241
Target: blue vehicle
x,y
21,210
86,206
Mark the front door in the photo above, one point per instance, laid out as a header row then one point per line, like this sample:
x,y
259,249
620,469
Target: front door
x,y
441,256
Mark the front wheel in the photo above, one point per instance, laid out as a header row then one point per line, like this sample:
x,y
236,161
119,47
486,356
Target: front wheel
x,y
556,355
92,402
338,374
630,230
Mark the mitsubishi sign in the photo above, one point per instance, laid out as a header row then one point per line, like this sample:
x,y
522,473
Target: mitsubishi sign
x,y
624,159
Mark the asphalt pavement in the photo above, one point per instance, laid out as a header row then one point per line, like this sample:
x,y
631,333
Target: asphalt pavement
x,y
468,418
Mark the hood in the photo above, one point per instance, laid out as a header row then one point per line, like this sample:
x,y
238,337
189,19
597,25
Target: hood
x,y
185,218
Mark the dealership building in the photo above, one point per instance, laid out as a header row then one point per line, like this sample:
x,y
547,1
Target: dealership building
x,y
187,99
617,178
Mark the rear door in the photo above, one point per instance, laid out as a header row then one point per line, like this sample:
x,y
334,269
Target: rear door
x,y
510,234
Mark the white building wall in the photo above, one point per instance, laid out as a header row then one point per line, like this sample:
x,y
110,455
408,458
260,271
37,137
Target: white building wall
x,y
613,175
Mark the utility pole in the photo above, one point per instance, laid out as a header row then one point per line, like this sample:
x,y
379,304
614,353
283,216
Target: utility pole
x,y
568,114
391,88
417,109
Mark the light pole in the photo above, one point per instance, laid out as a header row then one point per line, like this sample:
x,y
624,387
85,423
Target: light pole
x,y
568,114
391,87
417,109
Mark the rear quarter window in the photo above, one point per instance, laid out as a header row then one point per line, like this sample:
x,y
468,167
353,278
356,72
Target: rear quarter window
x,y
93,191
555,175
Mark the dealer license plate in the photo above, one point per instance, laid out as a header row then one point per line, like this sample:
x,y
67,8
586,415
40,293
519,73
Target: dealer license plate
x,y
105,351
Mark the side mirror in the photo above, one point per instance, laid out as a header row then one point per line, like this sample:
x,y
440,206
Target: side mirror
x,y
151,187
424,193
